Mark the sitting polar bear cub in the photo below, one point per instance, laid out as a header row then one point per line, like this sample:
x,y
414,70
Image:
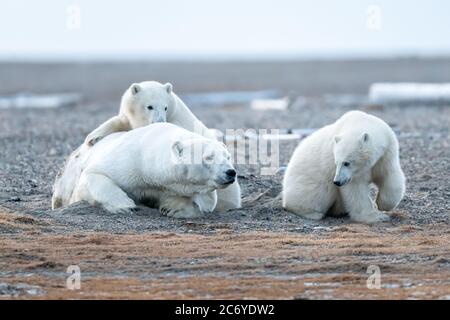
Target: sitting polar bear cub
x,y
150,102
177,172
331,171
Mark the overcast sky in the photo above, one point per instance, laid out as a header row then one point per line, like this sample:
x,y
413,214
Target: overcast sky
x,y
229,28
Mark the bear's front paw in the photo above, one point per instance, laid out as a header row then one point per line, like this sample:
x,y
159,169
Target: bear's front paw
x,y
205,202
186,212
180,207
181,213
91,140
165,211
371,217
122,210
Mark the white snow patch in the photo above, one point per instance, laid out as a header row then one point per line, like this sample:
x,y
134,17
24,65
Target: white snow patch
x,y
270,104
39,101
409,92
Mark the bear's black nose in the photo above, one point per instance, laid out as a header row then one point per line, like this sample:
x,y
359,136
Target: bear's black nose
x,y
231,173
338,183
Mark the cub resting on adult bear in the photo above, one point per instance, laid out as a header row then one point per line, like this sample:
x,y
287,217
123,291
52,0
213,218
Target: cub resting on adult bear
x,y
176,173
331,170
149,102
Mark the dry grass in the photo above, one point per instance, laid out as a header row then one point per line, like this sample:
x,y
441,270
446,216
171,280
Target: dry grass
x,y
268,265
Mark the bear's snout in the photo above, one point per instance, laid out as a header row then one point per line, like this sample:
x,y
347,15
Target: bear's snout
x,y
340,183
337,183
231,173
229,177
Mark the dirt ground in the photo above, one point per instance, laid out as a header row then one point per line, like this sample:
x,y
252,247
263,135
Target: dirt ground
x,y
259,251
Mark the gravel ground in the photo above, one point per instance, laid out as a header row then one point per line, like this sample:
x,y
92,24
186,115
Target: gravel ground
x,y
413,249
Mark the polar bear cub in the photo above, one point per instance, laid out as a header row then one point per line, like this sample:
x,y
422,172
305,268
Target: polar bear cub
x,y
150,102
331,170
141,104
176,172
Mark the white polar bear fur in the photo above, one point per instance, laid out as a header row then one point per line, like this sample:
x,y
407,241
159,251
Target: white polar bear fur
x,y
166,106
371,149
127,168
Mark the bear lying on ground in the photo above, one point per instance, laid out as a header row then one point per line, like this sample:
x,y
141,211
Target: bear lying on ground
x,y
177,172
149,102
331,170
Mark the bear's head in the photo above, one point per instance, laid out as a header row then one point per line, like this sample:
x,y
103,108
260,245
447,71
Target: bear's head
x,y
203,162
147,102
352,156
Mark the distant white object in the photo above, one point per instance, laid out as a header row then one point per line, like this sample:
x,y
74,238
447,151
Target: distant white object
x,y
40,101
409,92
270,104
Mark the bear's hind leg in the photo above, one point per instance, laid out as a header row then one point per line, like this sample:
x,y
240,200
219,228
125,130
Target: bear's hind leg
x,y
359,205
390,180
310,201
98,188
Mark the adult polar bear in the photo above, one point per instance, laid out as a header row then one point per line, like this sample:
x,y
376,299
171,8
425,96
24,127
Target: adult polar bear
x,y
331,171
149,102
177,172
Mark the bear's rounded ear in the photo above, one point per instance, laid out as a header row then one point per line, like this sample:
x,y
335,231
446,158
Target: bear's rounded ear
x,y
168,87
337,139
365,137
135,88
177,148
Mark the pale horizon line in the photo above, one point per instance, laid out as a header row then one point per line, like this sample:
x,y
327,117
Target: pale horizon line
x,y
220,57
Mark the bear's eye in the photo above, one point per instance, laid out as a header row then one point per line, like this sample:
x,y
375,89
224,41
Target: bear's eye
x,y
209,158
165,108
346,164
150,107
